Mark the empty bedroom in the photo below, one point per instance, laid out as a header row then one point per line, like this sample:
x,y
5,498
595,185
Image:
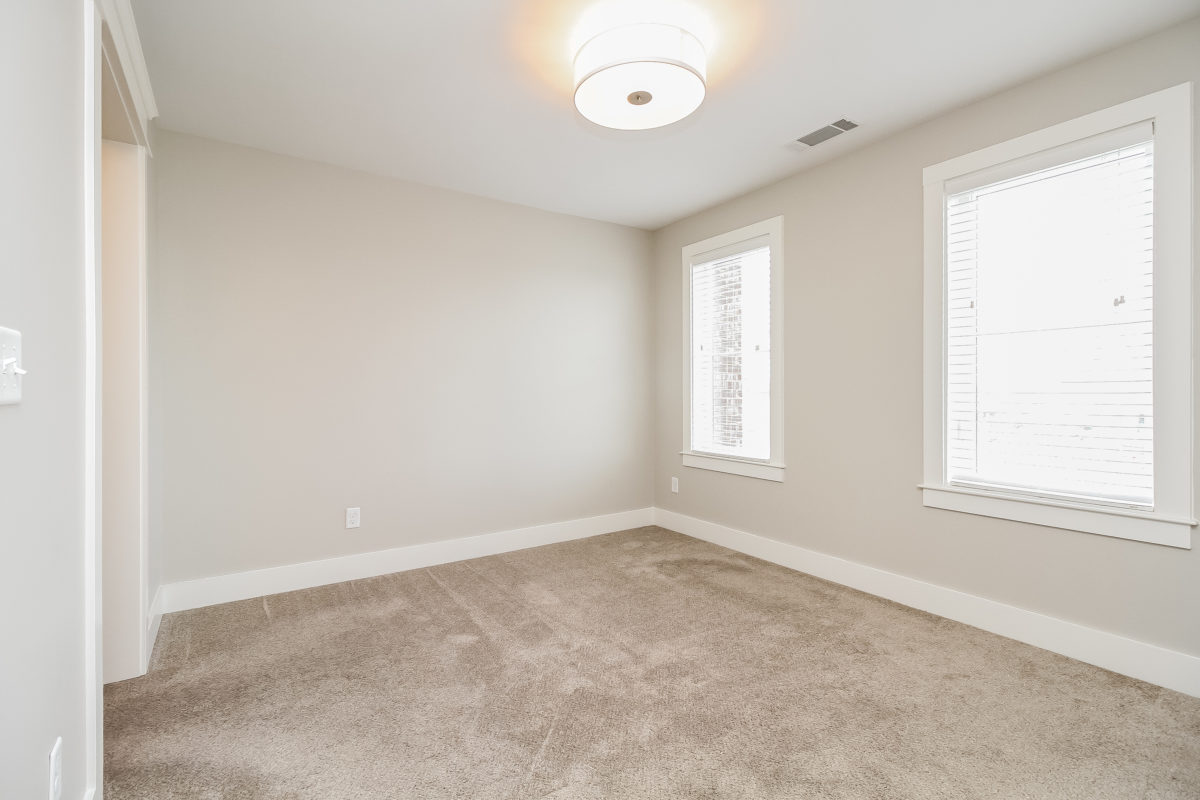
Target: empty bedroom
x,y
581,399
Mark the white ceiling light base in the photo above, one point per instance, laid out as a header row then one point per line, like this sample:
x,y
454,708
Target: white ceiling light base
x,y
640,76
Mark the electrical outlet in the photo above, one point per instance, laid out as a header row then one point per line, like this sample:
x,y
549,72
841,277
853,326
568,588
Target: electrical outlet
x,y
353,517
674,485
56,770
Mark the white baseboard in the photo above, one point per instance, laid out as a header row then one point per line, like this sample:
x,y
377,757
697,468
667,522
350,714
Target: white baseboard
x,y
256,583
1147,662
153,621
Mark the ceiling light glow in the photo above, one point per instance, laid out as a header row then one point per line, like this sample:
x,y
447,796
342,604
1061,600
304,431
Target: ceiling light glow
x,y
640,76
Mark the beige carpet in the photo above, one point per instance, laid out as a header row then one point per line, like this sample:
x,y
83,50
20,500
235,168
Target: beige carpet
x,y
641,664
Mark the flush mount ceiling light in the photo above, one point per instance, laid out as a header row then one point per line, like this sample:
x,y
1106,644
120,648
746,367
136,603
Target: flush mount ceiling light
x,y
639,76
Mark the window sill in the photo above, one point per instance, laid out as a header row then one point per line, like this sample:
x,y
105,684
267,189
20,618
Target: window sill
x,y
734,466
1141,526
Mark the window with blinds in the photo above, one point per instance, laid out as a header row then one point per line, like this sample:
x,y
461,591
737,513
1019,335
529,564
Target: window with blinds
x,y
1049,368
731,352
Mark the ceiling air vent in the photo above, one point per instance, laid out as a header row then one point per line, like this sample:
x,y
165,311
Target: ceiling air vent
x,y
828,132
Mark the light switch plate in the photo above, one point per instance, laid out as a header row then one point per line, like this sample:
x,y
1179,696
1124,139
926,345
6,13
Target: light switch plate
x,y
10,367
353,517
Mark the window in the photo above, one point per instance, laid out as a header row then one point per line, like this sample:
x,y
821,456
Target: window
x,y
1058,325
733,289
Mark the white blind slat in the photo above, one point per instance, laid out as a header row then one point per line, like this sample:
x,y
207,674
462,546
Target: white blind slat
x,y
1049,378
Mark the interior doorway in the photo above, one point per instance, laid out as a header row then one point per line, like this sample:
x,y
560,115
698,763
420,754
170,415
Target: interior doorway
x,y
122,428
119,623
125,541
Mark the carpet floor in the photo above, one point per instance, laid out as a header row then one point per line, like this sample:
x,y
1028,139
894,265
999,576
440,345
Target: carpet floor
x,y
640,664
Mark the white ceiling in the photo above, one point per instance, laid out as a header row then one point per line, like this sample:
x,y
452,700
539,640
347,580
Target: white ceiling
x,y
475,95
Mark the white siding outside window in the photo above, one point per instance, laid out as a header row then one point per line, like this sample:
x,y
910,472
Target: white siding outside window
x,y
1050,325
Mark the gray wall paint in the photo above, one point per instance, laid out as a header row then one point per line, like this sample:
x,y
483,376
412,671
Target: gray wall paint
x,y
326,338
41,440
853,244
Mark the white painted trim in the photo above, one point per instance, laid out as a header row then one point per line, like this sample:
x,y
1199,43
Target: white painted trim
x,y
734,466
145,640
1128,113
119,18
93,663
1118,522
118,15
272,580
718,246
113,64
1147,662
1170,112
154,617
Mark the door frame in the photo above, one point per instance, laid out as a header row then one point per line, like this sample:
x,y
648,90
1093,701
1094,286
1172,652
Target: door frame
x,y
110,41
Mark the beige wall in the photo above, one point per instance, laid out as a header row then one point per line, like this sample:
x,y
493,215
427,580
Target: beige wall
x,y
853,351
326,338
41,440
123,570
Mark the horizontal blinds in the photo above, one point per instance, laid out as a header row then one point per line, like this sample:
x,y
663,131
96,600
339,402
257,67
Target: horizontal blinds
x,y
731,354
1116,139
1049,374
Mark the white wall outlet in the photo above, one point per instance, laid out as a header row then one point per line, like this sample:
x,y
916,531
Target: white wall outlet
x,y
56,770
674,485
10,367
353,517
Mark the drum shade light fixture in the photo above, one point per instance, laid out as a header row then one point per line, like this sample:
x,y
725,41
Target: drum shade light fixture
x,y
639,76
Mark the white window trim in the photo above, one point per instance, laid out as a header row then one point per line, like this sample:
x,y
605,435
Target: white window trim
x,y
773,468
1172,519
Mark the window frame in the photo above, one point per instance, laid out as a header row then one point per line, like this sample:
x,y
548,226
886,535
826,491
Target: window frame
x,y
1171,519
771,469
